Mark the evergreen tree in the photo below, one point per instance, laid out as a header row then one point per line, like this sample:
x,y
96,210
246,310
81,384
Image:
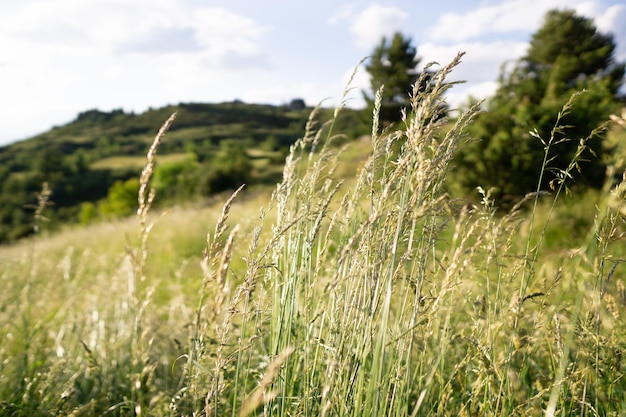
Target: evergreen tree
x,y
392,64
567,54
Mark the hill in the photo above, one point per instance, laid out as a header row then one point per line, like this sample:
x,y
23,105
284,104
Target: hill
x,y
90,165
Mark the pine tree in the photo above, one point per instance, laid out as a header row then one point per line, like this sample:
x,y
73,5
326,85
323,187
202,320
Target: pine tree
x,y
392,64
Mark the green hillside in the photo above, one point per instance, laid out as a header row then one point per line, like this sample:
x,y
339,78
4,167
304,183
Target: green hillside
x,y
91,164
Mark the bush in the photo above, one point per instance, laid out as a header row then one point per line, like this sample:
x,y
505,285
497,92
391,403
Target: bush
x,y
121,200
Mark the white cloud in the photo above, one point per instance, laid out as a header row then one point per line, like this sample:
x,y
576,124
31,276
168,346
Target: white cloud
x,y
55,29
80,26
479,68
481,62
504,17
60,57
459,94
610,20
375,22
492,24
164,40
355,81
345,12
230,38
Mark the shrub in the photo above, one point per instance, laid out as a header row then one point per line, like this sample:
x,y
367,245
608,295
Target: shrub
x,y
121,200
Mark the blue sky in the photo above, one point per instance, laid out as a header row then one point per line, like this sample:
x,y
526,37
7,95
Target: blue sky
x,y
61,57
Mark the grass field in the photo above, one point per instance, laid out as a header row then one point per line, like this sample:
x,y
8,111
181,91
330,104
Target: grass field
x,y
356,287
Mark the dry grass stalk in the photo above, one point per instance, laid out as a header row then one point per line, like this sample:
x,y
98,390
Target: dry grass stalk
x,y
146,195
146,198
43,201
260,396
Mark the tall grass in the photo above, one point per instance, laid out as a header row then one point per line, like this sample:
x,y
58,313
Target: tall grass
x,y
383,298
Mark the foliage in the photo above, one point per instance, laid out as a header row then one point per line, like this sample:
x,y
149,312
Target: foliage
x,y
88,213
566,55
121,200
393,64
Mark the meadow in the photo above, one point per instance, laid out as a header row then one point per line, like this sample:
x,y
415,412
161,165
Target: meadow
x,y
356,287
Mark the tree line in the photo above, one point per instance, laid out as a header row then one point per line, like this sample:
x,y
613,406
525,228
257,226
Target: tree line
x,y
528,134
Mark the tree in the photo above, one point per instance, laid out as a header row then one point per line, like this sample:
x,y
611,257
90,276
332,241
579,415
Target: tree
x,y
568,49
392,64
567,54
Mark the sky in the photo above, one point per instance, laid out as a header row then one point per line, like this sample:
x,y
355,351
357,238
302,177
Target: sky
x,y
62,57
